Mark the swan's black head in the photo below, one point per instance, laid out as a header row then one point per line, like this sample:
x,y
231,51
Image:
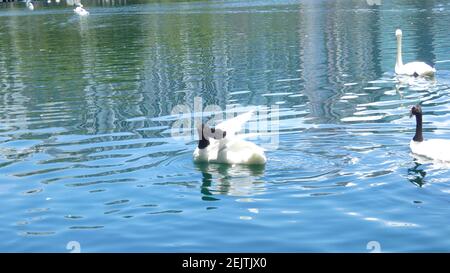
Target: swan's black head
x,y
415,111
205,133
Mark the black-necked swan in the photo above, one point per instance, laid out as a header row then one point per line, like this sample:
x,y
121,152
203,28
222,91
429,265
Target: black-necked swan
x,y
221,145
80,10
436,149
413,68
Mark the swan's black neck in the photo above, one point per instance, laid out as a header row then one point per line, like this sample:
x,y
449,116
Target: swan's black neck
x,y
418,136
203,143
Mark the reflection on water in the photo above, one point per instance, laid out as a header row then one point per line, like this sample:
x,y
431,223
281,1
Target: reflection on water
x,y
235,180
417,175
85,116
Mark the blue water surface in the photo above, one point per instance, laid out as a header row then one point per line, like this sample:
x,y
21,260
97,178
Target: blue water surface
x,y
87,106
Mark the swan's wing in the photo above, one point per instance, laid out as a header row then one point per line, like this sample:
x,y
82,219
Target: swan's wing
x,y
240,151
264,135
234,125
420,68
436,149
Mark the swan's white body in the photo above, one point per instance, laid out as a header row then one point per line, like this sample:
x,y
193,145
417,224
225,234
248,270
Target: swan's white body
x,y
235,151
81,11
413,68
436,149
232,149
30,5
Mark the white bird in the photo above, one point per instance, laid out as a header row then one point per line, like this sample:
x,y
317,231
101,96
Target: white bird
x,y
222,145
81,11
435,149
29,5
413,68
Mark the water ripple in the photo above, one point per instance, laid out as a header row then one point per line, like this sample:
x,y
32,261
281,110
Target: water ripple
x,y
86,151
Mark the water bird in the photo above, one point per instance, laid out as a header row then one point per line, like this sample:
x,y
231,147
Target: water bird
x,y
29,5
436,149
222,145
81,11
415,69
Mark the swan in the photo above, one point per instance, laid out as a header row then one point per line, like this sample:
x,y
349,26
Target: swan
x,y
81,11
29,5
413,68
221,145
436,149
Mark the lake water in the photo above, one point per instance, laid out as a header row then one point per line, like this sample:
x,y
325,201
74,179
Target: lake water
x,y
87,155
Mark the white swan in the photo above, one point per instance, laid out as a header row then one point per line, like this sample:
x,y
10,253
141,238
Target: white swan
x,y
81,11
413,68
29,5
221,145
436,149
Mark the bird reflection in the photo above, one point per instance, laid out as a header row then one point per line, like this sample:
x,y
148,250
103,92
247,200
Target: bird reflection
x,y
238,180
405,84
416,175
420,83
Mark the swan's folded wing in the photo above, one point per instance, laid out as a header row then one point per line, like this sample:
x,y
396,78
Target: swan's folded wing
x,y
436,149
236,124
420,68
264,135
